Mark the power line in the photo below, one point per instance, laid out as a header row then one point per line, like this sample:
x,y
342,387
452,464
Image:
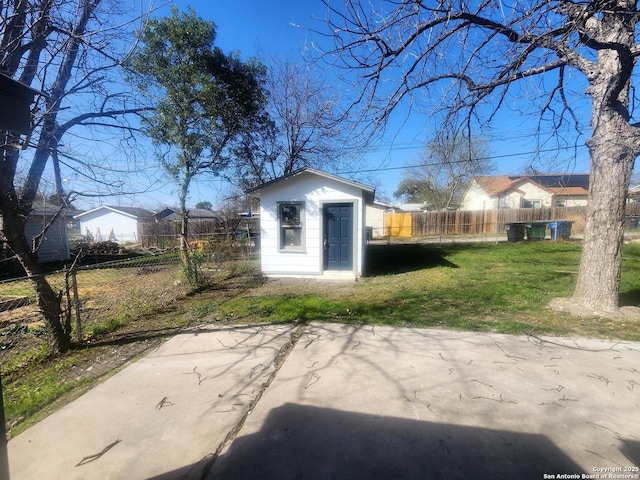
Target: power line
x,y
492,157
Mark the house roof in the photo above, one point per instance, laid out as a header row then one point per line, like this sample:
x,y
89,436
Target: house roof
x,y
194,213
412,207
133,212
557,184
367,191
48,209
384,205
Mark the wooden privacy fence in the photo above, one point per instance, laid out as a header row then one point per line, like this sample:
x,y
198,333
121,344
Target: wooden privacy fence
x,y
485,222
159,234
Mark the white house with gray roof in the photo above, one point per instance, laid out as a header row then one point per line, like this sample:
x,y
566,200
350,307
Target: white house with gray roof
x,y
118,224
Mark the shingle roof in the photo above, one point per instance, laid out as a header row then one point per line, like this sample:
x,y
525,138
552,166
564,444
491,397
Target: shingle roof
x,y
135,212
557,184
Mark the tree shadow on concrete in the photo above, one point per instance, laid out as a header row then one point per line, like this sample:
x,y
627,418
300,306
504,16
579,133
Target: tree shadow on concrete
x,y
302,442
631,450
390,259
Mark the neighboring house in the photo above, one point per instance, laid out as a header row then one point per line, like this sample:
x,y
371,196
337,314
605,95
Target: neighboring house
x,y
312,224
55,245
375,215
118,224
173,214
526,191
168,214
412,207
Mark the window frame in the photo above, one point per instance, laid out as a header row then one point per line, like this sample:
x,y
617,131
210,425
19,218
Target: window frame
x,y
532,202
285,224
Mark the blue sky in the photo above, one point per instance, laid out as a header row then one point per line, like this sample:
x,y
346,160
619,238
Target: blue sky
x,y
268,27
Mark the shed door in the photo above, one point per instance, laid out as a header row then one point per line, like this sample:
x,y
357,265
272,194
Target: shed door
x,y
338,236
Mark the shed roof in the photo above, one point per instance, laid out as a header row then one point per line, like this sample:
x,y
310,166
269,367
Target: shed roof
x,y
368,192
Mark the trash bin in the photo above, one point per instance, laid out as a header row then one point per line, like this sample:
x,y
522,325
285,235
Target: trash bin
x,y
631,222
536,231
369,233
256,240
515,231
560,229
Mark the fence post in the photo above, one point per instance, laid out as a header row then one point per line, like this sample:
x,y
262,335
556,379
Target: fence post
x,y
67,310
76,303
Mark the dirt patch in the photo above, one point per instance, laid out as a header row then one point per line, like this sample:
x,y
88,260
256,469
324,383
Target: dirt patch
x,y
570,306
25,315
283,286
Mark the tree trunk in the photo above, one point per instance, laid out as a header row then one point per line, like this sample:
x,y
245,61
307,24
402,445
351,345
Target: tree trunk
x,y
598,283
613,148
47,299
184,230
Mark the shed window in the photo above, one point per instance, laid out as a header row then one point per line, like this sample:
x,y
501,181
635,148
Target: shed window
x,y
291,217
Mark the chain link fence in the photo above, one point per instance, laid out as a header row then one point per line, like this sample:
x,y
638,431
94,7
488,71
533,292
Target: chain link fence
x,y
99,297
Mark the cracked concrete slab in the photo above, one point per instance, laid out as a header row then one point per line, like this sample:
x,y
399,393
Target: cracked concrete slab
x,y
349,402
167,412
375,402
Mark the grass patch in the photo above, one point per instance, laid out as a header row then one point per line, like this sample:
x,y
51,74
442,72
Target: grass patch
x,y
479,287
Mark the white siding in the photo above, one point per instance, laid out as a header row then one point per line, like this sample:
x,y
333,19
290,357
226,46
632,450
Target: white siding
x,y
125,227
533,192
475,198
375,219
314,191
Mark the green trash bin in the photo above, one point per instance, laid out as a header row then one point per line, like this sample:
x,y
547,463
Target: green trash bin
x,y
536,231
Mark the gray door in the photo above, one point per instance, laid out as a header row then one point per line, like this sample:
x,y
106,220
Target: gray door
x,y
338,236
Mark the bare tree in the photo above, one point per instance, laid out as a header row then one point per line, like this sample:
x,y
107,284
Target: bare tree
x,y
466,60
443,171
306,127
68,50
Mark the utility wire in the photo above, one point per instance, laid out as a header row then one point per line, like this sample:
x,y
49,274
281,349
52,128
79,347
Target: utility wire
x,y
491,157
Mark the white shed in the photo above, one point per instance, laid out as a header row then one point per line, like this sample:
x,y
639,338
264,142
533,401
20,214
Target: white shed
x,y
118,224
312,225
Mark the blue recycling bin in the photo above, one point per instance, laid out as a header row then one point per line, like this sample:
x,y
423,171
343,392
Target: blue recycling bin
x,y
560,229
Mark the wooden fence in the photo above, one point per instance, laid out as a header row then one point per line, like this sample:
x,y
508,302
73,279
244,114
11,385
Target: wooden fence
x,y
164,233
486,222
